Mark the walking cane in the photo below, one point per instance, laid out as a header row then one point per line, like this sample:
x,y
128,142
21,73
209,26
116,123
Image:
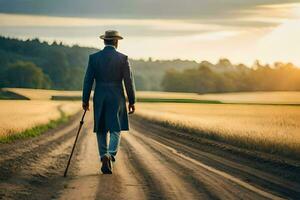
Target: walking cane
x,y
80,125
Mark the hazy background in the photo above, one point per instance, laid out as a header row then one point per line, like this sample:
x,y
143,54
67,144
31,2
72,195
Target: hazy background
x,y
240,30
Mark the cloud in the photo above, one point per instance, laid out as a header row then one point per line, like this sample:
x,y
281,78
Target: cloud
x,y
192,29
133,27
188,9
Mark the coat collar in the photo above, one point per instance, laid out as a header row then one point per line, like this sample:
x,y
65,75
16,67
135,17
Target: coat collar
x,y
109,47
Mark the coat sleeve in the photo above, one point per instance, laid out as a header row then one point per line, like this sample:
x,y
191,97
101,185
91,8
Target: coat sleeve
x,y
88,82
129,81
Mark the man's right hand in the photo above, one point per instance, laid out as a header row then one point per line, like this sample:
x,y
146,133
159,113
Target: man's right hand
x,y
131,108
85,106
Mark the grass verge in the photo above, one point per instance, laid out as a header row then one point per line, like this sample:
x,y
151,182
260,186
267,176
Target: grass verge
x,y
165,100
159,100
37,130
66,98
7,95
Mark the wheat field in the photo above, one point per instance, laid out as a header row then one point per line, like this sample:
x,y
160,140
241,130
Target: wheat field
x,y
274,129
41,94
271,128
19,115
241,97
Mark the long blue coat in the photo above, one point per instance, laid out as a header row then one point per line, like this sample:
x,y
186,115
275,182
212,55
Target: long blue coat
x,y
109,68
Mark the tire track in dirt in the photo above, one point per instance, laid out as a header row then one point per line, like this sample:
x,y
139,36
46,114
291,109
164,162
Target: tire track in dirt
x,y
151,164
168,185
87,182
151,189
37,172
217,184
23,152
232,164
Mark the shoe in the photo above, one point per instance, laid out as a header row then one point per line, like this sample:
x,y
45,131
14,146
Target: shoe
x,y
113,159
106,165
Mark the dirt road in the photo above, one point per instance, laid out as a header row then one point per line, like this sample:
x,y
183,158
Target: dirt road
x,y
153,163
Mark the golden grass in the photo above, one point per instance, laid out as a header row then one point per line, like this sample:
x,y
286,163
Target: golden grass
x,y
242,97
40,94
19,115
274,129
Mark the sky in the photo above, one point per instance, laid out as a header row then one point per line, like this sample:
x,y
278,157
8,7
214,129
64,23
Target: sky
x,y
240,30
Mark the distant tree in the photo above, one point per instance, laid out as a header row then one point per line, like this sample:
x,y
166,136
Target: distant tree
x,y
140,83
226,77
54,43
58,70
27,75
172,81
206,64
224,62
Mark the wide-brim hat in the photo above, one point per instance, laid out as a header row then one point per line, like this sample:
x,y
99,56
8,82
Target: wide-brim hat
x,y
111,35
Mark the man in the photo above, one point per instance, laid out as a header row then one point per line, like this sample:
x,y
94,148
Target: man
x,y
109,68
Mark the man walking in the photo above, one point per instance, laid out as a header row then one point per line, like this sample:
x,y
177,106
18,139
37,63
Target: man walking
x,y
109,68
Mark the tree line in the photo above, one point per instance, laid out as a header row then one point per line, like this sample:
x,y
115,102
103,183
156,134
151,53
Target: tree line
x,y
36,64
226,77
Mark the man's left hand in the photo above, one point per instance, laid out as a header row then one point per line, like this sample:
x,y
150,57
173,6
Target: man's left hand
x,y
131,108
